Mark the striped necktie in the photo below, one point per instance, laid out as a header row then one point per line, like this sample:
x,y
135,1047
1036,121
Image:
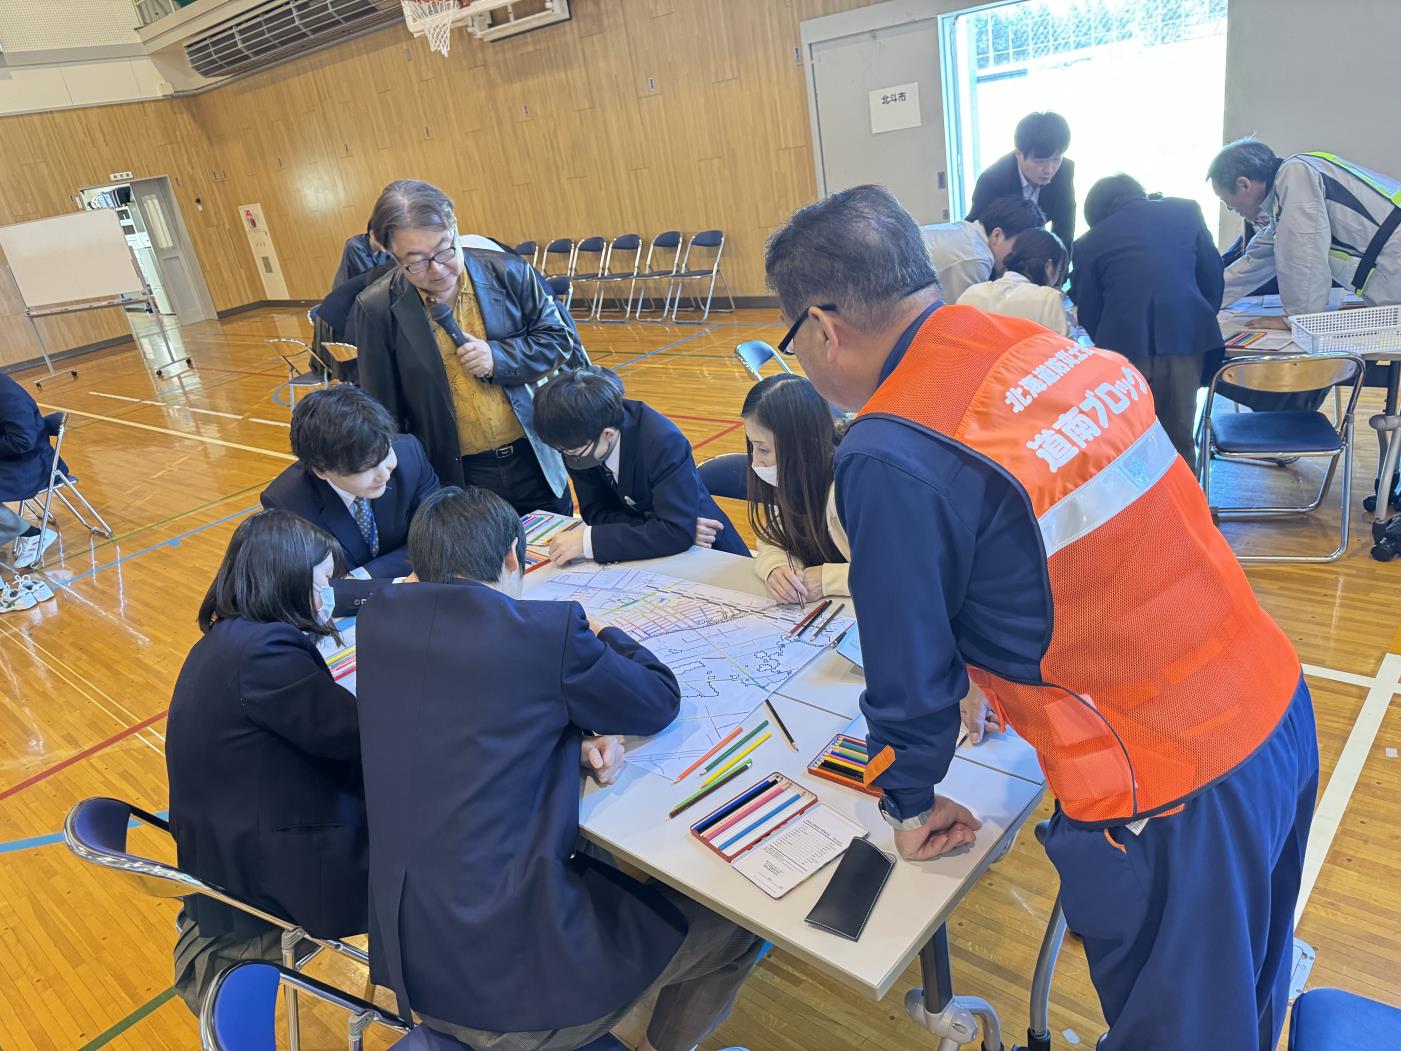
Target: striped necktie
x,y
365,519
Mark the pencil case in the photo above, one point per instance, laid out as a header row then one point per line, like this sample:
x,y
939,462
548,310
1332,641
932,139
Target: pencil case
x,y
842,761
752,816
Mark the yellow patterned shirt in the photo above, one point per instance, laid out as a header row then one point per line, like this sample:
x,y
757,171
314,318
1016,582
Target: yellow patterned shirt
x,y
485,418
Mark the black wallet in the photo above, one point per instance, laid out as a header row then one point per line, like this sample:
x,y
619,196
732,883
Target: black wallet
x,y
846,904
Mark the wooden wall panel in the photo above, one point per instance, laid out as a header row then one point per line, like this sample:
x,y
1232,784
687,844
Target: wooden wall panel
x,y
553,133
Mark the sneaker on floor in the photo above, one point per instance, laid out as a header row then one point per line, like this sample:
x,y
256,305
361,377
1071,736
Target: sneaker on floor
x,y
27,550
13,599
36,587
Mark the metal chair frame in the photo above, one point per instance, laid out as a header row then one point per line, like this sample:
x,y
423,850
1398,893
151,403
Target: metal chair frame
x,y
560,246
297,377
532,256
610,275
705,240
667,241
157,879
363,1014
754,354
56,424
597,249
1285,374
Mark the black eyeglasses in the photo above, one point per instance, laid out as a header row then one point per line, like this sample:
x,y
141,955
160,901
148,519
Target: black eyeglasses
x,y
419,266
787,340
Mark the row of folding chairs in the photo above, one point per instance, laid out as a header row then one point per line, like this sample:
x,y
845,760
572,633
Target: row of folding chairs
x,y
684,269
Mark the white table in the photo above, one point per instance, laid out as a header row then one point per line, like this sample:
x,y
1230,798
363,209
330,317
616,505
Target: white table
x,y
629,820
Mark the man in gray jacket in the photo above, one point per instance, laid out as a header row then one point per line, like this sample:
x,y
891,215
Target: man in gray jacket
x,y
1324,219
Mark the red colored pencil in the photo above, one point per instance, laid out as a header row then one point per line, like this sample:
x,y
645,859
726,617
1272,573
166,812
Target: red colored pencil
x,y
802,625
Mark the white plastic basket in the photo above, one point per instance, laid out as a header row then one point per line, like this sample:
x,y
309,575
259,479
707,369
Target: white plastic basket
x,y
1353,331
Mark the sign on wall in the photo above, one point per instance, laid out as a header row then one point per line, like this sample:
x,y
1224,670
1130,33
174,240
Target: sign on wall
x,y
895,108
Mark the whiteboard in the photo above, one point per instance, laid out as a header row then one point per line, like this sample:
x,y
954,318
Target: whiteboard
x,y
70,258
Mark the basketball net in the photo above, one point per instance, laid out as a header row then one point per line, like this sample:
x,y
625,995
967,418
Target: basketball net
x,y
432,18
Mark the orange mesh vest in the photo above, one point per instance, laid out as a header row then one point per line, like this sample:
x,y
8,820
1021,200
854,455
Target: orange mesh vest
x,y
1180,674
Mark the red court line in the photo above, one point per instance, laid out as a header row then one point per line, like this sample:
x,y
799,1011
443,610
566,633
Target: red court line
x,y
701,419
700,444
86,753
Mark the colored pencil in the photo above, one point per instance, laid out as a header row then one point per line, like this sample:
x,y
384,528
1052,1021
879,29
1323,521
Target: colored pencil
x,y
713,749
696,797
779,723
831,617
771,793
735,747
838,640
752,745
821,608
762,820
816,612
840,771
839,761
734,804
849,753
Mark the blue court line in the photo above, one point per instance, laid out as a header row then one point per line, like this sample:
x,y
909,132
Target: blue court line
x,y
642,357
172,542
14,846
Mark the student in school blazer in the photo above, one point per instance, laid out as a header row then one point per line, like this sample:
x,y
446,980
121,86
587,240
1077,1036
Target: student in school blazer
x,y
256,717
482,915
1057,198
26,452
297,489
652,510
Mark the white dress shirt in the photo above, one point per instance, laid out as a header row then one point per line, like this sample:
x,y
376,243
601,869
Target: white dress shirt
x,y
614,458
1014,295
960,254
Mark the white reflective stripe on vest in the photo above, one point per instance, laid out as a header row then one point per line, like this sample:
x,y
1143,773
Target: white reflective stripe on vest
x,y
1108,492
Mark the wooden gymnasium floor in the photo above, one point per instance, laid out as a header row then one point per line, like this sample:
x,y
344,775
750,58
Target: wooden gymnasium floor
x,y
176,464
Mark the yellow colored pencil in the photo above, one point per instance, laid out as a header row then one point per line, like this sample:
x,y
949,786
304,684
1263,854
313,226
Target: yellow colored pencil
x,y
753,745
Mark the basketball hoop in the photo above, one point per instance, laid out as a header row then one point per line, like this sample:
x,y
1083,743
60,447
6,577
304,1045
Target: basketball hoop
x,y
433,19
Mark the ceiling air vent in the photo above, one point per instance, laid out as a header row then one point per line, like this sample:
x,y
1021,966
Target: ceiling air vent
x,y
278,30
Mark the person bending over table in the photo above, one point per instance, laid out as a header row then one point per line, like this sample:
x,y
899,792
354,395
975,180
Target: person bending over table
x,y
640,494
453,342
1030,286
263,756
1047,535
1036,169
360,480
476,709
970,251
791,440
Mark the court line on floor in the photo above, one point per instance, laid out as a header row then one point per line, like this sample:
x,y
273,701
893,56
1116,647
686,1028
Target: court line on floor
x,y
16,846
173,541
149,1007
167,430
1328,815
1348,677
643,357
86,753
718,435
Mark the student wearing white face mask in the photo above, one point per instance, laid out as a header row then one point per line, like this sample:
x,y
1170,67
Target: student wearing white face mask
x,y
791,439
263,756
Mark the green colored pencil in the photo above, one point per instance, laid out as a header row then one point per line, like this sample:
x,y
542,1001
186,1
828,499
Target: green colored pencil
x,y
696,797
720,759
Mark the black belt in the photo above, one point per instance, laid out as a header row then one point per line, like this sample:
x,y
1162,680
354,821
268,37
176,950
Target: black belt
x,y
501,453
1368,262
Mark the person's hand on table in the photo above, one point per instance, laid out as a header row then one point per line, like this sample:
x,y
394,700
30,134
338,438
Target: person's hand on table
x,y
602,758
595,626
785,584
707,529
951,826
978,717
568,546
1277,323
812,582
475,357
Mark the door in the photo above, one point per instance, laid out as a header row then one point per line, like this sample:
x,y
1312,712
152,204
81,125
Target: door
x,y
877,109
181,279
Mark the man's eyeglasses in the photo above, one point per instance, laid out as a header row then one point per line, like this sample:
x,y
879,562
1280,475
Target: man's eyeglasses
x,y
786,342
419,266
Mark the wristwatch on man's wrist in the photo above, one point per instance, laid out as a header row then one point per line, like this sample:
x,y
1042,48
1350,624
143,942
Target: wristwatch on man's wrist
x,y
908,824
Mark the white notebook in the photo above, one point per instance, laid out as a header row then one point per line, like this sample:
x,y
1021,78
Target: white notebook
x,y
798,850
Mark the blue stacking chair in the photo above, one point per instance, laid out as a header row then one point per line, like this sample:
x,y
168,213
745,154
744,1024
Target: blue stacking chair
x,y
239,1014
726,475
660,269
557,259
96,831
1332,1020
754,354
528,250
707,241
623,263
590,264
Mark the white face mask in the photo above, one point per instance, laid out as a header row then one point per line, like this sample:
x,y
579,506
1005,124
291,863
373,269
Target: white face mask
x,y
767,474
325,614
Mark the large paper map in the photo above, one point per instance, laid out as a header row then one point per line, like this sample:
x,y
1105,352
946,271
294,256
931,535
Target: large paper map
x,y
728,650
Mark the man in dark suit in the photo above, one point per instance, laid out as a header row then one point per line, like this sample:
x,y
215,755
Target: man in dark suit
x,y
639,491
1147,283
359,480
1037,170
360,254
26,457
453,342
474,710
